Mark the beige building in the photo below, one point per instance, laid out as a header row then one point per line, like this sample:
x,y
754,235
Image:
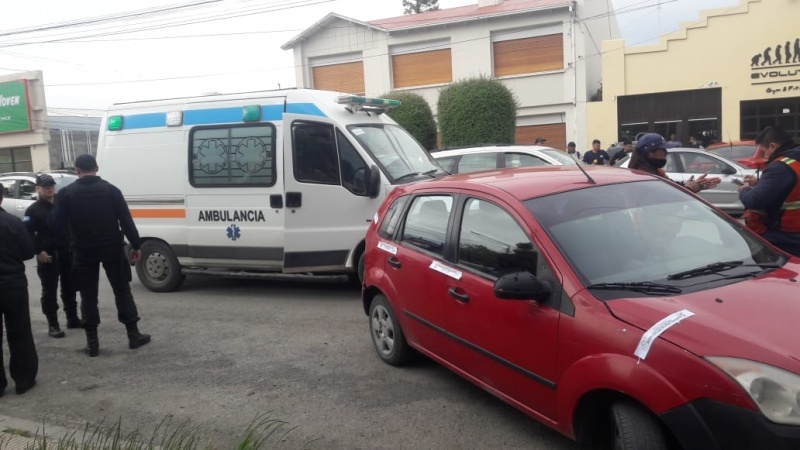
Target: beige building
x,y
543,50
23,123
724,77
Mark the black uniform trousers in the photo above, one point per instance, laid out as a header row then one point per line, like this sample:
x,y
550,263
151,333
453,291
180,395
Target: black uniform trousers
x,y
86,276
50,274
23,364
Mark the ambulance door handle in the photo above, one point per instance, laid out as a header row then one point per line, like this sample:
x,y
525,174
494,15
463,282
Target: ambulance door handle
x,y
276,201
294,199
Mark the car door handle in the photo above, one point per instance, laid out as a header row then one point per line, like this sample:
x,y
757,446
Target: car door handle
x,y
394,262
460,297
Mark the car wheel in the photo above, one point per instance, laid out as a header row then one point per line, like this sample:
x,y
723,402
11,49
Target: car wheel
x,y
158,269
387,337
635,428
361,268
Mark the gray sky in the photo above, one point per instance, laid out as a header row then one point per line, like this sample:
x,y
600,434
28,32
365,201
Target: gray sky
x,y
242,52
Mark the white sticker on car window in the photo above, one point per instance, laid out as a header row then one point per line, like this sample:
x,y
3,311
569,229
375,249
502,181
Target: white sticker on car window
x,y
387,247
357,131
655,331
375,218
449,271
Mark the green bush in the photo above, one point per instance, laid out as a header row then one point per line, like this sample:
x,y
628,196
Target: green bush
x,y
415,115
477,111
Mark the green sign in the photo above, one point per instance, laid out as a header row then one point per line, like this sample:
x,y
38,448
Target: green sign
x,y
14,108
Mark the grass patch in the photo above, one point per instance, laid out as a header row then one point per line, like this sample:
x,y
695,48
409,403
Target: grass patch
x,y
262,433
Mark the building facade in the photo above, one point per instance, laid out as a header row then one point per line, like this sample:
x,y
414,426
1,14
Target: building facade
x,y
23,123
545,51
722,78
71,136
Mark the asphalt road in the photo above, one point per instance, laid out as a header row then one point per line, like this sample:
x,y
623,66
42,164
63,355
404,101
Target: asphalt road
x,y
225,350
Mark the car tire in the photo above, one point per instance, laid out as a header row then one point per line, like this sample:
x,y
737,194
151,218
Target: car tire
x,y
387,336
361,269
635,428
159,269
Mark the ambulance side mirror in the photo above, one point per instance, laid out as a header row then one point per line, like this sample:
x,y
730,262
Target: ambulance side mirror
x,y
373,181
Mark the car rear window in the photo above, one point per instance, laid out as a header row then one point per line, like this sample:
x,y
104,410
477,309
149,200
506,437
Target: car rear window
x,y
736,152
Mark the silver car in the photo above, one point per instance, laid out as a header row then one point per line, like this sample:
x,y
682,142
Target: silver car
x,y
20,189
473,159
683,163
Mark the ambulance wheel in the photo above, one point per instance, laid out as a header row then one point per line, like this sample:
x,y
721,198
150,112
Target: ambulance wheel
x,y
158,269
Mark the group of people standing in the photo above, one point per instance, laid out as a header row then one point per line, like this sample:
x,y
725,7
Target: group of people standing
x,y
97,217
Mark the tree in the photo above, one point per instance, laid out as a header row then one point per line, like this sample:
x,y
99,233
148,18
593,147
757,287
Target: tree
x,y
415,115
419,6
477,111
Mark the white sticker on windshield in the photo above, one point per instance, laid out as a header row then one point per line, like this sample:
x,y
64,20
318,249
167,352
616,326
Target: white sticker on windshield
x,y
357,131
387,247
449,271
655,331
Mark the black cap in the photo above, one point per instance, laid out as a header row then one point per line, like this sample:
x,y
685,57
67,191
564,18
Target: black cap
x,y
44,180
539,139
571,144
85,162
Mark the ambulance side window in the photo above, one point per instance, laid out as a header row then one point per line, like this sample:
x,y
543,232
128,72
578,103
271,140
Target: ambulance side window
x,y
315,157
354,169
232,155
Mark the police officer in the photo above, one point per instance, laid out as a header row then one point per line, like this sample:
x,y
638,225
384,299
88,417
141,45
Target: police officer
x,y
98,216
54,260
15,248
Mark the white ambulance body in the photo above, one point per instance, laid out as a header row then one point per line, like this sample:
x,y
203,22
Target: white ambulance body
x,y
242,184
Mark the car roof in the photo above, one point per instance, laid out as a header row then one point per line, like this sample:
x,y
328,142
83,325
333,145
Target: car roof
x,y
530,182
488,149
728,144
53,173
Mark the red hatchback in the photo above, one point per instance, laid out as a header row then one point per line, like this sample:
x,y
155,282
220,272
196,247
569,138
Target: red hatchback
x,y
620,308
743,152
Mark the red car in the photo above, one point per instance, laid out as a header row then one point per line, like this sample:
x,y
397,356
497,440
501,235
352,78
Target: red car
x,y
611,306
744,152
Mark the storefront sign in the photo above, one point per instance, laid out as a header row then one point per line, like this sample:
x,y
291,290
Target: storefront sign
x,y
15,112
784,89
776,66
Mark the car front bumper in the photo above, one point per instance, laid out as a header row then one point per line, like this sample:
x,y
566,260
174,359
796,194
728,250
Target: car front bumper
x,y
707,424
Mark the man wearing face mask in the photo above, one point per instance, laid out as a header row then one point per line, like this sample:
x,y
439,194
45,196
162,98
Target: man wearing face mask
x,y
651,156
772,203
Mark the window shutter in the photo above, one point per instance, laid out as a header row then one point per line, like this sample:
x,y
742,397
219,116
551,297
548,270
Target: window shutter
x,y
348,77
422,68
529,55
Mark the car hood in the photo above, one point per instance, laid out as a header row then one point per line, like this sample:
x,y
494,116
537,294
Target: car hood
x,y
756,319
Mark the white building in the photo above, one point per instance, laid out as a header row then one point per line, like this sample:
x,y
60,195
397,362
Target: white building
x,y
545,51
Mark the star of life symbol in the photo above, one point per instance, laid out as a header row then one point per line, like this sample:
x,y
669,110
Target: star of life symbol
x,y
234,232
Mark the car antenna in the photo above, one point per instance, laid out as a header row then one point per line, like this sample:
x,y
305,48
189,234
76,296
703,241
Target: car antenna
x,y
591,180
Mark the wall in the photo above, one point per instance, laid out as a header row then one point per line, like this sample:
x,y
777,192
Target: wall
x,y
36,139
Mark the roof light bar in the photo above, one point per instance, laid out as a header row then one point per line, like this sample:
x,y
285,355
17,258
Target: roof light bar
x,y
358,102
114,123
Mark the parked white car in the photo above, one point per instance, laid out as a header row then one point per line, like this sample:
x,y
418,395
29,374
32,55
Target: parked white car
x,y
473,159
20,189
683,163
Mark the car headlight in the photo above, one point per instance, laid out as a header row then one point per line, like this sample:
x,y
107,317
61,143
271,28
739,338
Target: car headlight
x,y
775,391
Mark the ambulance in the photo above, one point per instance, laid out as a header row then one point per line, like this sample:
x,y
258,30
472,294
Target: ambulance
x,y
248,184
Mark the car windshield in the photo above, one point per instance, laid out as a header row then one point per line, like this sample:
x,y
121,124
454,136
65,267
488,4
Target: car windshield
x,y
736,152
646,232
396,152
562,157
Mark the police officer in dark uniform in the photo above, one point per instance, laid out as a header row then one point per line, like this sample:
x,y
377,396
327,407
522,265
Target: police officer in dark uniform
x,y
98,216
53,258
15,248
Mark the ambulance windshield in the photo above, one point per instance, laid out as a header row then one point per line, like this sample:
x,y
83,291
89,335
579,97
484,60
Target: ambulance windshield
x,y
398,154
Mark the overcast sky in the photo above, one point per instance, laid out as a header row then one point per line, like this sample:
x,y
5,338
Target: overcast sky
x,y
238,53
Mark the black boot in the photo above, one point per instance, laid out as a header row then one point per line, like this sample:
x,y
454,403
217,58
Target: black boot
x,y
53,329
73,321
135,338
92,342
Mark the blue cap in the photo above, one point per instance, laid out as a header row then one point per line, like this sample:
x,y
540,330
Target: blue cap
x,y
650,142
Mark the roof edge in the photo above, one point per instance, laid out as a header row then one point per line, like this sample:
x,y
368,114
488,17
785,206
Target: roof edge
x,y
318,25
446,22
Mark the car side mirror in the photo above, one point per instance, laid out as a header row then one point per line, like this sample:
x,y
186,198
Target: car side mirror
x,y
521,286
373,181
729,171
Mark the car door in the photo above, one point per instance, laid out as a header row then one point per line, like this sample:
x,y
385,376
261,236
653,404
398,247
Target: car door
x,y
10,196
419,289
726,194
510,345
26,196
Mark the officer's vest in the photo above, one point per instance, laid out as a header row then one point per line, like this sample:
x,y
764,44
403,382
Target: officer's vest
x,y
789,221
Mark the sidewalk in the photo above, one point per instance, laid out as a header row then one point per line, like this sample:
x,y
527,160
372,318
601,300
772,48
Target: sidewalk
x,y
11,430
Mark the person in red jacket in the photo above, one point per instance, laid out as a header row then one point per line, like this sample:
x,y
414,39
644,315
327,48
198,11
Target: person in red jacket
x,y
772,202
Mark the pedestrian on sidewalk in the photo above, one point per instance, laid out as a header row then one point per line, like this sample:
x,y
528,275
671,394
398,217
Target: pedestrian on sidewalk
x,y
15,248
98,216
53,258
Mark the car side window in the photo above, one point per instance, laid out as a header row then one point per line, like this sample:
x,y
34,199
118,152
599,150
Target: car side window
x,y
523,160
491,242
698,163
26,190
392,218
477,161
353,167
671,165
232,155
426,222
447,163
9,188
315,157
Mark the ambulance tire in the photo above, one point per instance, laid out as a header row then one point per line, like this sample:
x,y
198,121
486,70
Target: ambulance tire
x,y
159,269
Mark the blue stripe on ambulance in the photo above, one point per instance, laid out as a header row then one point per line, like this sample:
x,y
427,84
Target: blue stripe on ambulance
x,y
218,115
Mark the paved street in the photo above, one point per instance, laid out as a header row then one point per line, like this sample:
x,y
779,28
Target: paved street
x,y
225,350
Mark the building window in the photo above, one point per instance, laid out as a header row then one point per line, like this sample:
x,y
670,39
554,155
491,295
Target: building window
x,y
16,160
528,55
346,77
422,68
232,155
759,114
